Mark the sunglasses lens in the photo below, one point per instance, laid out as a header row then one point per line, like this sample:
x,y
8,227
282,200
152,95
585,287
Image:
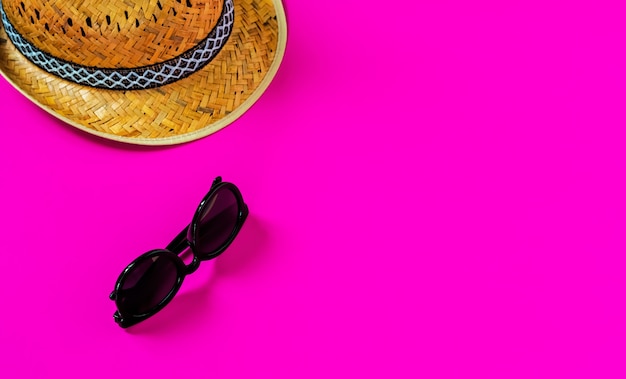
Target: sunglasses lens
x,y
217,221
147,284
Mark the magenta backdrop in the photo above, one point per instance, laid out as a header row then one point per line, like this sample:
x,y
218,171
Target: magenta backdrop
x,y
437,190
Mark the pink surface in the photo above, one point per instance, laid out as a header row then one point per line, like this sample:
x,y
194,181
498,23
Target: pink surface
x,y
437,190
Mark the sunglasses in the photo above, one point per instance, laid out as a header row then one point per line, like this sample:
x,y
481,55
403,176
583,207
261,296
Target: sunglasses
x,y
151,281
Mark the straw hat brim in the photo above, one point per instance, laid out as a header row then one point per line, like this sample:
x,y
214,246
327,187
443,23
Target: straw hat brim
x,y
188,109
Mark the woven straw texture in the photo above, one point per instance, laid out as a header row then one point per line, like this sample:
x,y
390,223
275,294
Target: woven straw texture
x,y
121,34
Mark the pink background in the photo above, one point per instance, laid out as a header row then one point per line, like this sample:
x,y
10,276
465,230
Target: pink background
x,y
437,190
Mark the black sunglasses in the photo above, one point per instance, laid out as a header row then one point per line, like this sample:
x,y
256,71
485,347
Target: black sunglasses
x,y
151,281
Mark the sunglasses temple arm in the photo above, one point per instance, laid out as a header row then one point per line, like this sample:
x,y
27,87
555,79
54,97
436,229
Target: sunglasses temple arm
x,y
180,243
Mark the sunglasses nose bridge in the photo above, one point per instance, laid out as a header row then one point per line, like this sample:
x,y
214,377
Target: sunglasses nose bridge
x,y
193,266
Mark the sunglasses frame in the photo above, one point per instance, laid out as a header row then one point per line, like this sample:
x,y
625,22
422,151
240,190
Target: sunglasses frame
x,y
186,239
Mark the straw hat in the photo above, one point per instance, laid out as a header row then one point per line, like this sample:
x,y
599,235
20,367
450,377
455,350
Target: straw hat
x,y
151,72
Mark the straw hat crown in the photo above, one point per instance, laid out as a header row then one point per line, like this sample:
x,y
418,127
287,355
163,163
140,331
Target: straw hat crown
x,y
114,33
